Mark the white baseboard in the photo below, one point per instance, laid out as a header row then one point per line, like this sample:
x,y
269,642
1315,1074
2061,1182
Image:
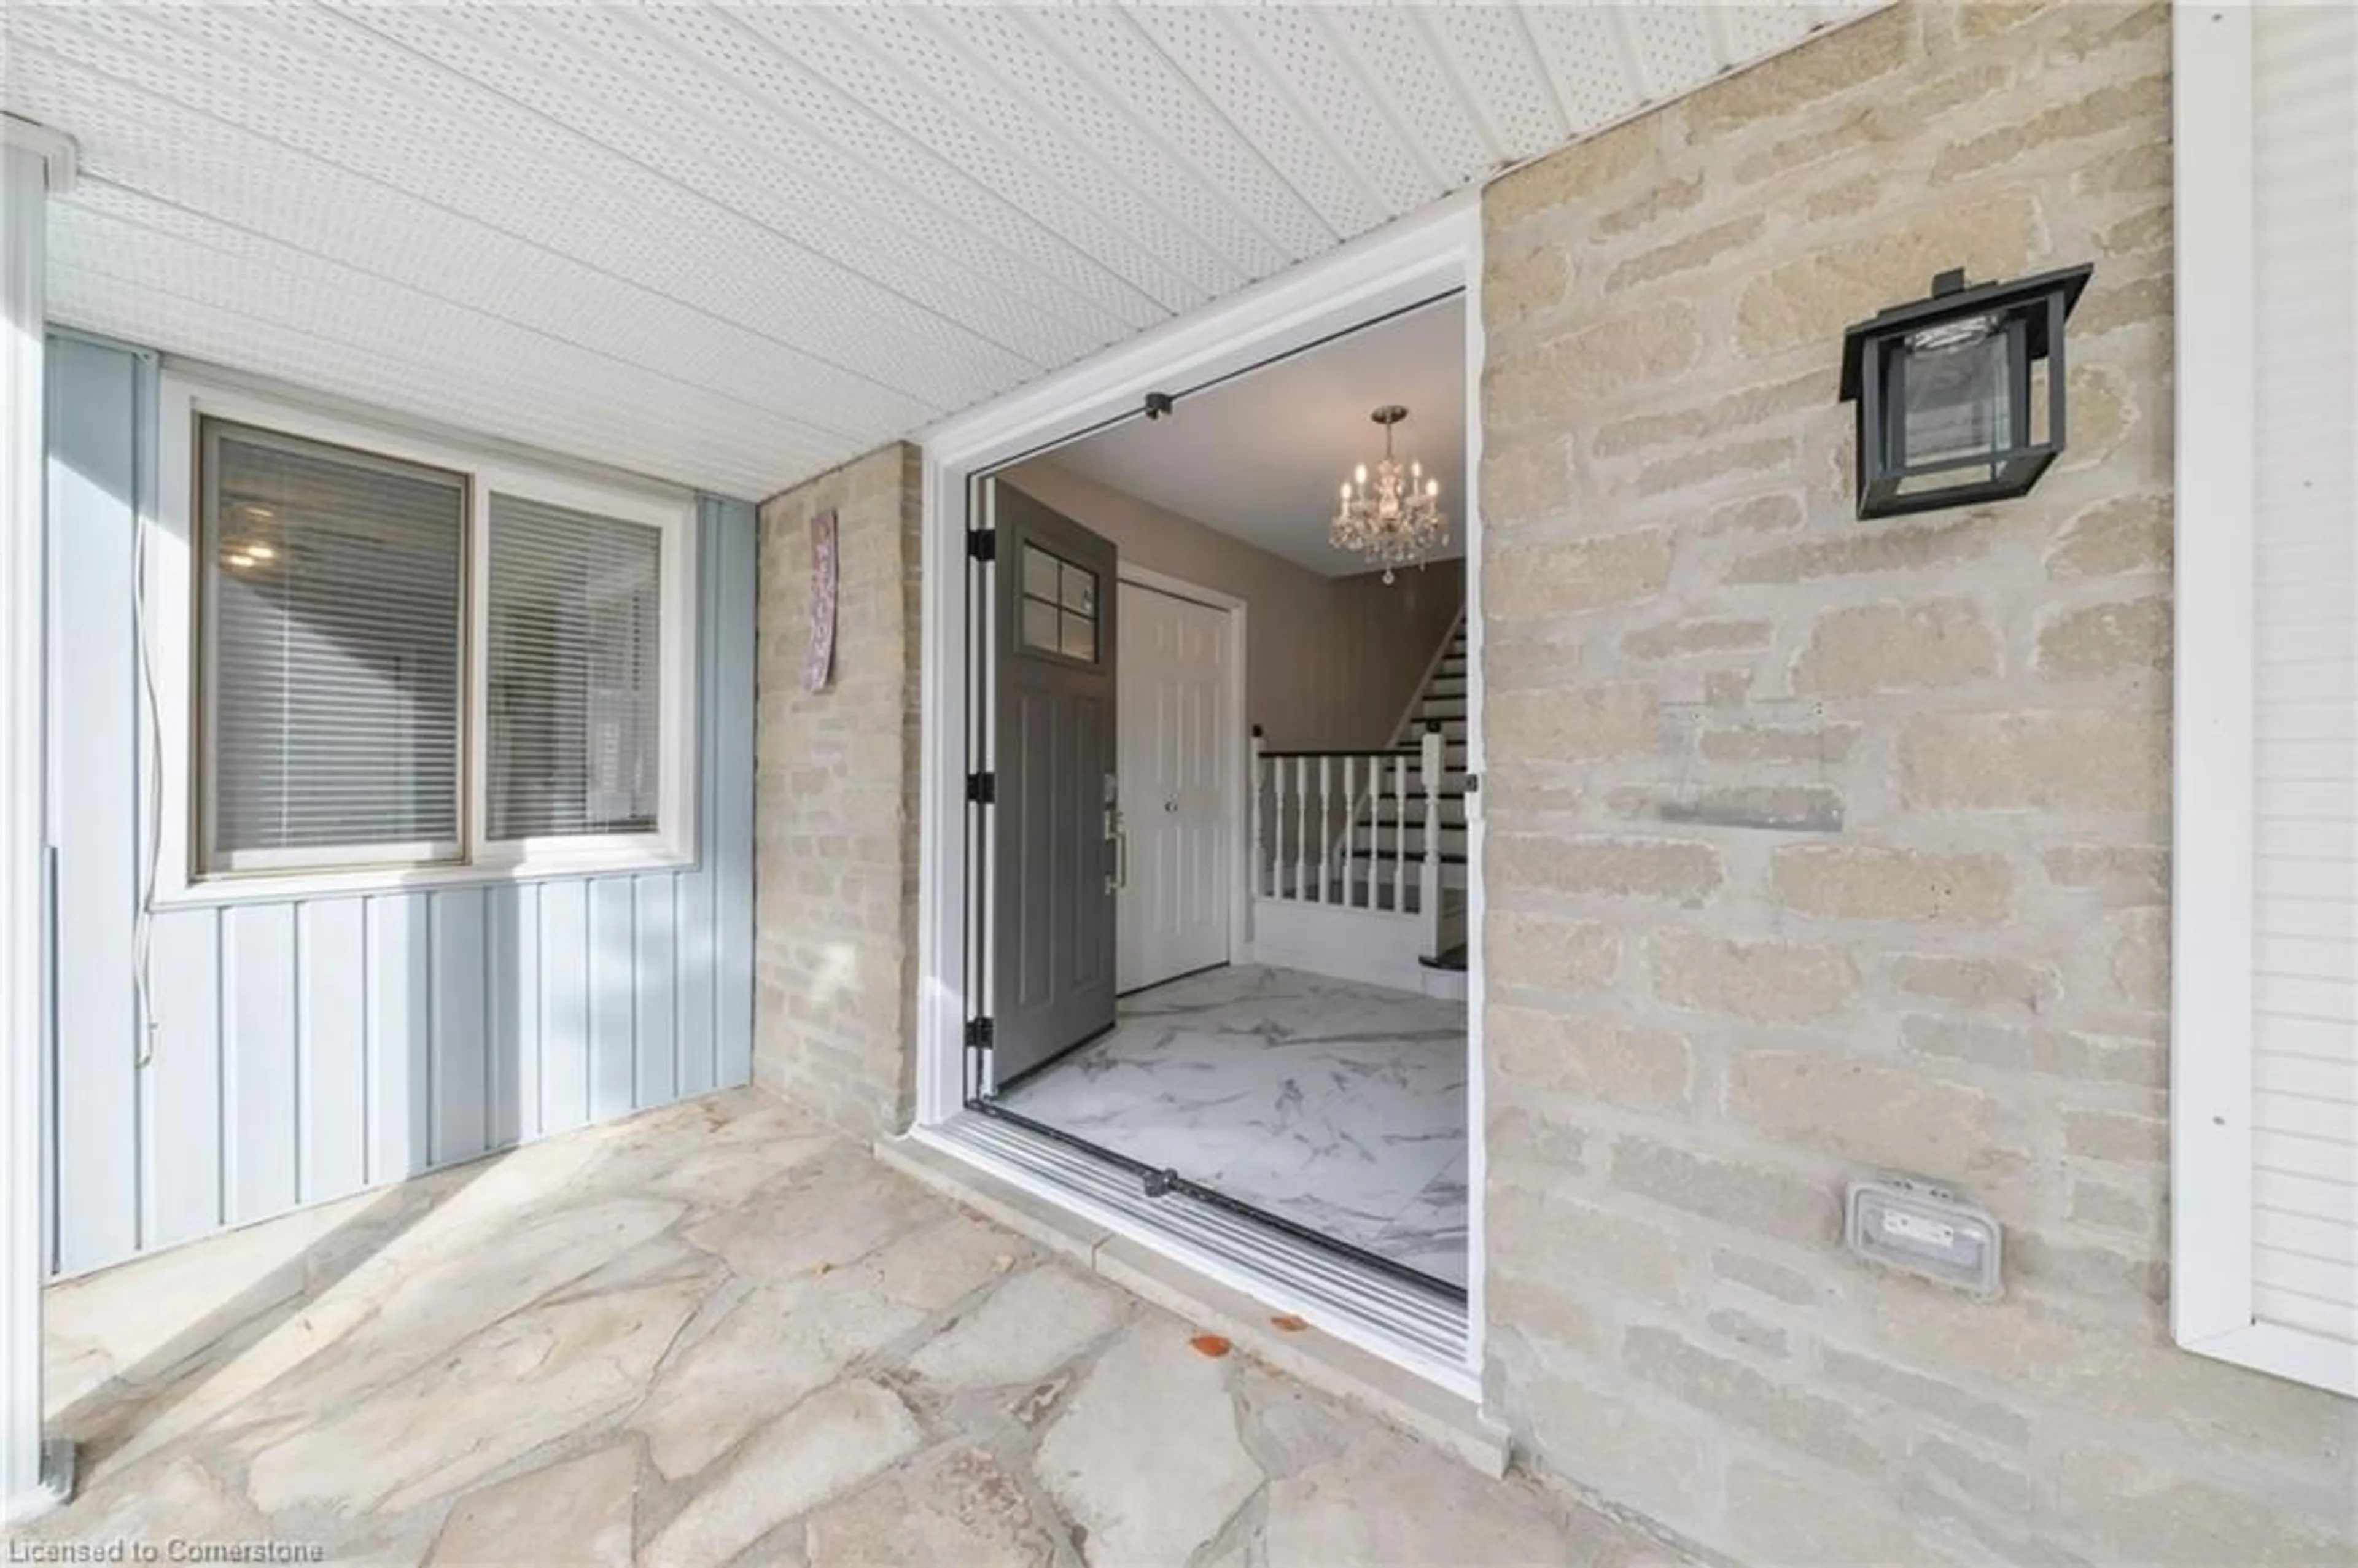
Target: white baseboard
x,y
1449,984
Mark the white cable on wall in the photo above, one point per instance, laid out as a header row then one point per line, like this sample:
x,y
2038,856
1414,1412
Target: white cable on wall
x,y
143,920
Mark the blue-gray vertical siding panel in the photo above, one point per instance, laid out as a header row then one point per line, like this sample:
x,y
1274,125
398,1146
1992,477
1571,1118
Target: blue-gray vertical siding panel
x,y
514,944
653,962
259,965
695,1002
94,480
563,1005
729,708
183,1102
332,1039
306,1049
613,976
459,1126
400,1034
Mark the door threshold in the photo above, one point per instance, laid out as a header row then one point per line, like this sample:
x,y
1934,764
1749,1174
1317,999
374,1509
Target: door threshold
x,y
1174,979
1169,1184
1398,1347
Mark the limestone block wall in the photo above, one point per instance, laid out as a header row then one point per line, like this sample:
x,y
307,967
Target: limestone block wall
x,y
1820,847
835,805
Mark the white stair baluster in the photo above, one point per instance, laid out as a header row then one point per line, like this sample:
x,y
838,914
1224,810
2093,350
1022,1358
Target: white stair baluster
x,y
1293,888
1429,883
1300,825
1399,835
1350,830
1326,830
1274,769
1277,857
1259,849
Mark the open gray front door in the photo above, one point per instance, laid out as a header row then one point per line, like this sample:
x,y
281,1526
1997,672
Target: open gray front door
x,y
1057,817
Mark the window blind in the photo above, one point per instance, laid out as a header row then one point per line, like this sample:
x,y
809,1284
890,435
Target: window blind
x,y
333,593
574,668
2305,654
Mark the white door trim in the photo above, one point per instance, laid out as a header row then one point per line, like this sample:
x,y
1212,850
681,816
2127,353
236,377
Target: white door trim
x,y
1239,730
1419,258
34,162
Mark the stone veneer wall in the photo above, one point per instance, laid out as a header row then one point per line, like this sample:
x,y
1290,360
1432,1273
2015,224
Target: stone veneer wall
x,y
1818,847
835,804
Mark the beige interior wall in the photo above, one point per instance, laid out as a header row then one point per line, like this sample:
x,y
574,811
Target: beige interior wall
x,y
1819,848
1329,662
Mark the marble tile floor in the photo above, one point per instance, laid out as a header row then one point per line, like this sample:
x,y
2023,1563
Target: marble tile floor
x,y
715,1335
1338,1105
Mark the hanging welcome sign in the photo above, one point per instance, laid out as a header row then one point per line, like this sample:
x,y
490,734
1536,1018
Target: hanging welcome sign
x,y
820,662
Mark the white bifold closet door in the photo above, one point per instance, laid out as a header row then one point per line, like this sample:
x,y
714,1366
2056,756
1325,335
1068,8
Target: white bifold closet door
x,y
1178,763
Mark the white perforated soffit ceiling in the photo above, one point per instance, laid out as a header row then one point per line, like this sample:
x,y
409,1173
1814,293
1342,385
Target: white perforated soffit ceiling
x,y
736,244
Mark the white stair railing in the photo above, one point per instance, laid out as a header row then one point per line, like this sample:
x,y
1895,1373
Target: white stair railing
x,y
1337,851
1316,843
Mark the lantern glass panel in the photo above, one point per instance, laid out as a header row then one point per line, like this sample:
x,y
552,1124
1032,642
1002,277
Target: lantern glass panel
x,y
1954,380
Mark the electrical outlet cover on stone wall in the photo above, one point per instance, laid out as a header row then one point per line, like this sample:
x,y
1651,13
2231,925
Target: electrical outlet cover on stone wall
x,y
1925,1230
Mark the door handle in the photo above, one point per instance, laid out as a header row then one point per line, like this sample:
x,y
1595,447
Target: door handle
x,y
1120,877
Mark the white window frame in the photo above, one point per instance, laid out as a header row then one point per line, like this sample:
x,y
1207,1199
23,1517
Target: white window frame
x,y
171,664
2211,1302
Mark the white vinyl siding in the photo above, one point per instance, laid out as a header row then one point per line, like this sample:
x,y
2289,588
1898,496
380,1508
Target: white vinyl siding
x,y
2267,1096
334,617
2305,657
575,721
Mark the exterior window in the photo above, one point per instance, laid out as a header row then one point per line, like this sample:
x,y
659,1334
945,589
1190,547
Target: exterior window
x,y
415,663
332,615
574,706
1060,605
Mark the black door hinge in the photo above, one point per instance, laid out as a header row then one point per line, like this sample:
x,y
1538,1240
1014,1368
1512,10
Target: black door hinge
x,y
1160,1183
982,789
977,1034
982,544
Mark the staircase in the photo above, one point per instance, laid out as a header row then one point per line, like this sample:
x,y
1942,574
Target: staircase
x,y
1360,868
1439,708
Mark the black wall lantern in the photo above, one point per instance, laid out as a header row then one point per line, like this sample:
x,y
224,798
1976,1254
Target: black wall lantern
x,y
1948,411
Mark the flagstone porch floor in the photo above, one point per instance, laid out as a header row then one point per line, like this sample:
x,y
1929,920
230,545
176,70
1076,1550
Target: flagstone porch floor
x,y
715,1333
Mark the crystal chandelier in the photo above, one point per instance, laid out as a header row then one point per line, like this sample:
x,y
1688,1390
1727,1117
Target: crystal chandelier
x,y
1396,520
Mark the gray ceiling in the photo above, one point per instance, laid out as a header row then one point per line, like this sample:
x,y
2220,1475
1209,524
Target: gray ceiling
x,y
1261,457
